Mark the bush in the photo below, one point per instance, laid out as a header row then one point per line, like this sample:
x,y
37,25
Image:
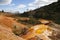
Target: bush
x,y
19,31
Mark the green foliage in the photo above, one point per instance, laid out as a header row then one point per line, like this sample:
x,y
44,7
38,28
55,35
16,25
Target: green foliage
x,y
31,21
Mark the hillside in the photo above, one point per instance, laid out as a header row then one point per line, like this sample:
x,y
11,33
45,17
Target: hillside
x,y
7,25
49,12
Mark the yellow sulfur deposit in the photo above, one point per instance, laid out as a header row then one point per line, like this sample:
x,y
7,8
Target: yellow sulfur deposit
x,y
41,29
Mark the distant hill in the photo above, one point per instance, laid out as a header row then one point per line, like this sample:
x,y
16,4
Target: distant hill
x,y
50,12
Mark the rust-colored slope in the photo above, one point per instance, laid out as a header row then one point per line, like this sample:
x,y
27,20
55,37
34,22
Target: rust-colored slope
x,y
9,22
6,34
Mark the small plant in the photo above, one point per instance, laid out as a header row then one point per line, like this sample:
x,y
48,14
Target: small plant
x,y
24,31
17,30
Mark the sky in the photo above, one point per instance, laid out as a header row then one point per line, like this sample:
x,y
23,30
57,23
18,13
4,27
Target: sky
x,y
23,5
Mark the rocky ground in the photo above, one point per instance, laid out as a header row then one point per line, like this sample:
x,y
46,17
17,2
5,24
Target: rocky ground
x,y
10,30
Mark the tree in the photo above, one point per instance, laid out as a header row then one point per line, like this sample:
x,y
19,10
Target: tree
x,y
58,0
2,10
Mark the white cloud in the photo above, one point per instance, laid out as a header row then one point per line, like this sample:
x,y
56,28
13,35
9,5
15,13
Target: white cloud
x,y
21,6
40,3
5,2
35,4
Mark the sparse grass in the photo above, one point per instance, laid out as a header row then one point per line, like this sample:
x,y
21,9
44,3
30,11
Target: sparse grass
x,y
29,22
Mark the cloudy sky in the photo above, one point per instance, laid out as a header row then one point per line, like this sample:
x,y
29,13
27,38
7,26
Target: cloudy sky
x,y
23,5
